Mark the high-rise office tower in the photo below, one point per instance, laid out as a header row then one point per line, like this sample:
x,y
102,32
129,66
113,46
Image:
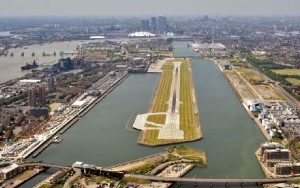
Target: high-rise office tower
x,y
153,24
162,24
145,25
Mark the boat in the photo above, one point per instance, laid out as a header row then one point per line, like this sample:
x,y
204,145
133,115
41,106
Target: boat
x,y
29,66
57,140
22,54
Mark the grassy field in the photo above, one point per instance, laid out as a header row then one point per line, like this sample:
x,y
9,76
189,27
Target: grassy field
x,y
162,94
287,71
189,154
293,81
229,72
260,57
249,74
186,110
267,92
189,120
160,119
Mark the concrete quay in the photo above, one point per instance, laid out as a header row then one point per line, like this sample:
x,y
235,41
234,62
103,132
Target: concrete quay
x,y
71,121
69,125
42,148
22,178
263,167
175,171
265,133
260,126
150,157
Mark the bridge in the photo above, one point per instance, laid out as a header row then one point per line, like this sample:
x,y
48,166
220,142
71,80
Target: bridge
x,y
188,57
214,182
177,181
62,53
44,165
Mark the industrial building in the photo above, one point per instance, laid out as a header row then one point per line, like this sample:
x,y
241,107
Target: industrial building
x,y
8,172
225,65
81,103
255,105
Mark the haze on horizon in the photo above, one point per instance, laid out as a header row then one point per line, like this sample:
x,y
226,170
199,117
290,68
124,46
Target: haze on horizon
x,y
10,8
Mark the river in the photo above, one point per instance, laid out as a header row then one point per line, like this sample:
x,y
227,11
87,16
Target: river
x,y
230,135
10,65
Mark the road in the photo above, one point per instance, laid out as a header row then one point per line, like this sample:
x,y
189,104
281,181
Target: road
x,y
226,182
72,178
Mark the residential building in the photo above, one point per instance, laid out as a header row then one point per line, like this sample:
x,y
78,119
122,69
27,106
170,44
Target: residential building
x,y
42,96
51,85
32,97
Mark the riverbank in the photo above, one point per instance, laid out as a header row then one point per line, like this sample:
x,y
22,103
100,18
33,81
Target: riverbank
x,y
66,124
243,93
175,162
24,177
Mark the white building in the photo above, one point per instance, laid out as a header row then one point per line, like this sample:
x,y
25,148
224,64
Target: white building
x,y
8,172
142,34
79,104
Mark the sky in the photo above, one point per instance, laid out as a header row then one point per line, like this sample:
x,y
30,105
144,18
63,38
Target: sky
x,y
10,8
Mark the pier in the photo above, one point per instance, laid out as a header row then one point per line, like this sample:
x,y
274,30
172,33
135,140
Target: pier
x,y
64,129
42,148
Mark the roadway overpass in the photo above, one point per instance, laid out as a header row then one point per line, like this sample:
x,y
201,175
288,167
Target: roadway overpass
x,y
177,181
44,165
213,182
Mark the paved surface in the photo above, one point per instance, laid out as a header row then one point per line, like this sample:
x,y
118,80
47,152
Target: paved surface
x,y
44,165
72,178
157,66
171,128
208,181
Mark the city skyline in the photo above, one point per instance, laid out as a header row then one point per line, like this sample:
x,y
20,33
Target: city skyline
x,y
147,7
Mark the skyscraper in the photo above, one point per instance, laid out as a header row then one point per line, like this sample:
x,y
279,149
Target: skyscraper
x,y
31,97
42,95
145,25
51,86
162,24
153,24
